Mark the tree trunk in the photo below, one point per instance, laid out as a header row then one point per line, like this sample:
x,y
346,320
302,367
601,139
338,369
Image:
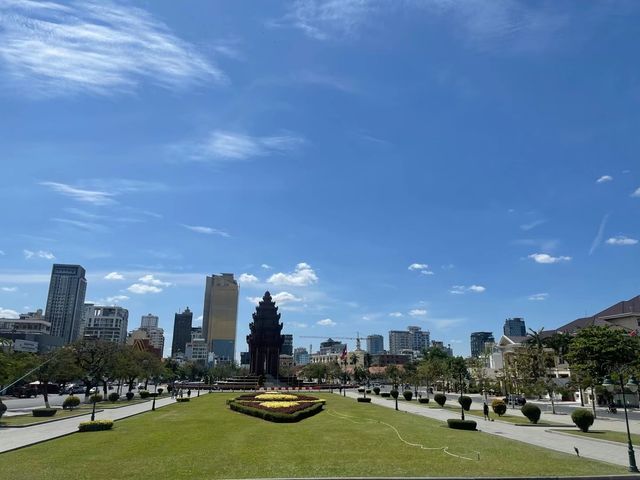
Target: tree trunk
x,y
593,400
581,396
104,388
45,394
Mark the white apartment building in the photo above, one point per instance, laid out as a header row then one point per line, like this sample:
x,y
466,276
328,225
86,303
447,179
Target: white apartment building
x,y
105,323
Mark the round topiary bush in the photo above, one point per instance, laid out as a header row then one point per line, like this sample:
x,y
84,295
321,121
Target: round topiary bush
x,y
532,412
144,394
70,402
160,390
583,418
408,395
394,393
129,395
113,397
423,400
43,412
95,398
440,399
465,402
364,399
376,390
385,394
499,407
361,390
461,424
368,390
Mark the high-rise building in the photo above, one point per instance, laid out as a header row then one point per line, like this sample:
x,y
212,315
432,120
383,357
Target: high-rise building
x,y
65,300
287,345
375,344
515,327
149,320
149,323
182,324
479,341
413,339
331,346
300,356
220,316
106,323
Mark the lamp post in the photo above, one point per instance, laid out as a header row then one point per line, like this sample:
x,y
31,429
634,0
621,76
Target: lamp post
x,y
461,394
632,385
155,394
93,400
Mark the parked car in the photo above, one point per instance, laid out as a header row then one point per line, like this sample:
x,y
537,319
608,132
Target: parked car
x,y
515,399
25,391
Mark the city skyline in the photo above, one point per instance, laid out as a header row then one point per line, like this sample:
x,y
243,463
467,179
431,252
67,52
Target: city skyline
x,y
400,165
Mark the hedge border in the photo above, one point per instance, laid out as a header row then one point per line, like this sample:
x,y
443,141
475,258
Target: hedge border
x,y
364,400
275,416
458,424
44,412
95,426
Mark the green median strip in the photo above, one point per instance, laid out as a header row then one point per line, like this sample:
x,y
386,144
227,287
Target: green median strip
x,y
608,435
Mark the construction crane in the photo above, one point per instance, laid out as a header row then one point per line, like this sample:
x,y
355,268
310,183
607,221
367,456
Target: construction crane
x,y
356,338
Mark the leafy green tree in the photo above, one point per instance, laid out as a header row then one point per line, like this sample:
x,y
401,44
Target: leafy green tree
x,y
95,359
57,366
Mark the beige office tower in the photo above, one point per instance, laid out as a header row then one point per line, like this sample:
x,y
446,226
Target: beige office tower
x,y
220,316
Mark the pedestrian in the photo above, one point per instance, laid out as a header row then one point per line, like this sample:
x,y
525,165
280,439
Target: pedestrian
x,y
189,393
485,410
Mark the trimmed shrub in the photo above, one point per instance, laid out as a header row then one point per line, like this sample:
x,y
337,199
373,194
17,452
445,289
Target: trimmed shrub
x,y
361,389
43,412
458,424
182,399
583,418
532,412
129,395
499,407
440,399
423,400
364,399
3,408
95,398
368,390
385,394
95,426
275,416
160,390
376,390
144,394
70,402
394,393
465,402
113,397
408,395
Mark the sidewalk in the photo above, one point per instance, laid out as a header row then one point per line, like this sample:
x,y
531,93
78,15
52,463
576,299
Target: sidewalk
x,y
12,438
539,436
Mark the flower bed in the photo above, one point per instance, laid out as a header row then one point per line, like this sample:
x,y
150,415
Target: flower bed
x,y
277,407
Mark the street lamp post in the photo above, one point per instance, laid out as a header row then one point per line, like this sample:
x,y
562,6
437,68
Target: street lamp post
x,y
632,385
93,400
155,394
461,394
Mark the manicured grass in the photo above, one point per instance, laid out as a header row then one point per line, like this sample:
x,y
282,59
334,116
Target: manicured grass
x,y
205,439
28,419
603,435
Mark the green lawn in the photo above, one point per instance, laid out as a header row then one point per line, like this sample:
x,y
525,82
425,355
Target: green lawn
x,y
205,439
29,419
604,435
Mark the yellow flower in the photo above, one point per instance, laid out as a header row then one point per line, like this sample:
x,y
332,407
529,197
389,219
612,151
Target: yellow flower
x,y
276,396
278,404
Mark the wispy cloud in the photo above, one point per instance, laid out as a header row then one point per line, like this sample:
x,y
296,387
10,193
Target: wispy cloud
x,y
301,276
548,259
538,297
461,289
326,322
88,226
206,230
8,313
417,312
531,225
9,289
28,254
636,193
280,298
423,268
51,49
621,240
227,146
247,278
95,197
266,266
148,284
598,238
114,276
2,252
604,178
116,299
396,314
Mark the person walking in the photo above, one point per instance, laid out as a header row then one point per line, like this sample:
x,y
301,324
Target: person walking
x,y
485,410
189,393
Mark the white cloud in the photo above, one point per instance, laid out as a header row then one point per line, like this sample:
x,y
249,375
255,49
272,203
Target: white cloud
x,y
114,276
298,324
462,289
28,254
423,268
600,233
530,226
636,193
538,297
117,299
266,267
604,178
281,298
8,313
396,314
142,289
418,312
247,278
302,275
206,230
621,240
2,252
9,289
546,258
223,146
52,49
149,279
326,322
95,197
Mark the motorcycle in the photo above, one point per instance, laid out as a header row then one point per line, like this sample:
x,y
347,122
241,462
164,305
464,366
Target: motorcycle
x,y
611,408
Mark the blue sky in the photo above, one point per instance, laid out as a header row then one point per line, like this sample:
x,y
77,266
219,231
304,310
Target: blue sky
x,y
373,164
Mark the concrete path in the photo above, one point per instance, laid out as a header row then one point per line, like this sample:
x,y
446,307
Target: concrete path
x,y
12,438
539,436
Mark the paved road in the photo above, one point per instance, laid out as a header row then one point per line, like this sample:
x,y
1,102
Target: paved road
x,y
539,436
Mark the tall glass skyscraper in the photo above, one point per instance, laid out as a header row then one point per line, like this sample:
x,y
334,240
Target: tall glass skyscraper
x,y
220,316
515,327
182,325
65,301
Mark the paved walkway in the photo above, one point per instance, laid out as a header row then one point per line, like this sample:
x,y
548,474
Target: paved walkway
x,y
539,436
12,438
